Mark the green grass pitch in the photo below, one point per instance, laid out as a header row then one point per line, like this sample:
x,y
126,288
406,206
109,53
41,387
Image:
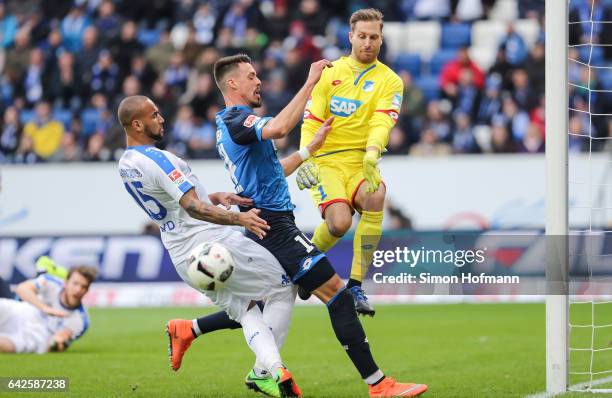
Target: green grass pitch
x,y
465,350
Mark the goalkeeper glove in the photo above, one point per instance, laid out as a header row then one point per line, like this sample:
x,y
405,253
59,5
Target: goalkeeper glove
x,y
307,175
370,171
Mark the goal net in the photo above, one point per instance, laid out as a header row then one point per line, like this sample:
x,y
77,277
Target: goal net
x,y
589,141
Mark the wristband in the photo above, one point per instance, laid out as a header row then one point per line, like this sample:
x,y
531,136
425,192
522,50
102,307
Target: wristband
x,y
304,154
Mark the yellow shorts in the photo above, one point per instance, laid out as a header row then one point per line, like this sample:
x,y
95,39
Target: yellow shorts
x,y
340,178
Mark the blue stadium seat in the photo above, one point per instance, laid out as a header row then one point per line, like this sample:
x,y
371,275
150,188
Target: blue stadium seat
x,y
148,37
439,59
64,116
26,115
455,35
408,61
596,56
342,36
430,86
605,77
90,118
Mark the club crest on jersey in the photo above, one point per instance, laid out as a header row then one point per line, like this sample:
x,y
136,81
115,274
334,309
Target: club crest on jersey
x,y
368,86
343,106
250,121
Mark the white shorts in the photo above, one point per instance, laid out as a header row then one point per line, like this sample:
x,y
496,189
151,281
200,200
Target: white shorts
x,y
24,325
257,276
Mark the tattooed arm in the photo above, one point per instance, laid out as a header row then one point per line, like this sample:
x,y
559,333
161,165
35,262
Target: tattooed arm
x,y
216,215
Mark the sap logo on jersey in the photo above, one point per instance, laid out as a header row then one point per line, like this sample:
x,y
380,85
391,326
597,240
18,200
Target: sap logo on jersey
x,y
343,106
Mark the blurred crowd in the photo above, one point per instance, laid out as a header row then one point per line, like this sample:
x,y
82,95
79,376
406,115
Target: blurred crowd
x,y
65,65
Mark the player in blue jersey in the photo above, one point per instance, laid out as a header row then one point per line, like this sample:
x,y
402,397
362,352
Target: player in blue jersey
x,y
244,141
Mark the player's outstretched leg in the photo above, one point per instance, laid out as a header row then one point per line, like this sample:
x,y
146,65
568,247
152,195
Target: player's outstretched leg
x,y
350,333
203,325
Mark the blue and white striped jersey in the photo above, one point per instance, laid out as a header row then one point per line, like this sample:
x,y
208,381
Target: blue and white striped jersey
x,y
156,180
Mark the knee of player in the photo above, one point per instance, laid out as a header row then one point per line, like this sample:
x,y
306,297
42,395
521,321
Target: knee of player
x,y
332,287
335,284
338,226
376,200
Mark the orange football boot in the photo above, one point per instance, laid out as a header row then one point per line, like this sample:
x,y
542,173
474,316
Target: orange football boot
x,y
391,388
286,384
180,338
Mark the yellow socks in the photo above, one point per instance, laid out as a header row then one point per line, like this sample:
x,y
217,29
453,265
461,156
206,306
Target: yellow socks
x,y
323,239
370,227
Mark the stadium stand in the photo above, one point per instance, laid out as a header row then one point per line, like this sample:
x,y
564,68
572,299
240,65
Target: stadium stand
x,y
82,57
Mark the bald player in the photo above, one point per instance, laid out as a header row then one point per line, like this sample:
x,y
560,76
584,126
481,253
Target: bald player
x,y
164,186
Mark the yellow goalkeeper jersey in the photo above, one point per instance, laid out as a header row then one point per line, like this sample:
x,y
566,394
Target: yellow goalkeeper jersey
x,y
365,101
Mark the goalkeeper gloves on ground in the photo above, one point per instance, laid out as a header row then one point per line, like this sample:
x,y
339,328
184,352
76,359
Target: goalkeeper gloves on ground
x,y
307,175
370,171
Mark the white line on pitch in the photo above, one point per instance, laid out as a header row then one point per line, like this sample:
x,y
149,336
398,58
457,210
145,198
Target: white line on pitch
x,y
573,388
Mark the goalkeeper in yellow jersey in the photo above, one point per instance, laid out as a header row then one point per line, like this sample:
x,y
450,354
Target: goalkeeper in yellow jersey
x,y
364,96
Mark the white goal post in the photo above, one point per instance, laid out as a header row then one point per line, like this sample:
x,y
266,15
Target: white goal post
x,y
556,92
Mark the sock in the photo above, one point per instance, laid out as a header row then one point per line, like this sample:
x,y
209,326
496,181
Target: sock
x,y
350,334
323,239
217,321
259,372
353,282
260,340
375,378
277,314
365,242
195,328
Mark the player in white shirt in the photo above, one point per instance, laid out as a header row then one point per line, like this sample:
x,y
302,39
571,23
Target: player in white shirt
x,y
166,189
50,316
